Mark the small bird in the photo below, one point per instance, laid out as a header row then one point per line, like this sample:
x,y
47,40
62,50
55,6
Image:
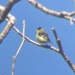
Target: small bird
x,y
42,36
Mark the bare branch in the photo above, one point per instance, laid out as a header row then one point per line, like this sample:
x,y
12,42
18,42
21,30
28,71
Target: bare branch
x,y
15,57
5,31
24,28
62,52
11,21
7,9
74,4
23,40
63,14
19,49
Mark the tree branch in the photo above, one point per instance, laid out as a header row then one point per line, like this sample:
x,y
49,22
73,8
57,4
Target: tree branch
x,y
7,9
61,51
19,49
11,21
62,14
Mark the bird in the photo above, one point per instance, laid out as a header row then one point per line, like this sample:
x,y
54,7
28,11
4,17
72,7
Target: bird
x,y
42,36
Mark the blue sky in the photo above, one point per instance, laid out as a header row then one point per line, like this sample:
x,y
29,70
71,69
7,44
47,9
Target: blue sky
x,y
34,60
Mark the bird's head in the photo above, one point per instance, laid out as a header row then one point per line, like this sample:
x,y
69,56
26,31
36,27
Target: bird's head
x,y
39,29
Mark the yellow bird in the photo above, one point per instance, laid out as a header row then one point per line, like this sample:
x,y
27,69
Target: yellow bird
x,y
42,36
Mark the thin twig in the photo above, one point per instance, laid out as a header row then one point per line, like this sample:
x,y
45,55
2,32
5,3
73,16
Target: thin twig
x,y
62,53
19,49
74,5
24,28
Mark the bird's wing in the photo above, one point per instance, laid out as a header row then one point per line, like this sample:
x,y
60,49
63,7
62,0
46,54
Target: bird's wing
x,y
44,35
